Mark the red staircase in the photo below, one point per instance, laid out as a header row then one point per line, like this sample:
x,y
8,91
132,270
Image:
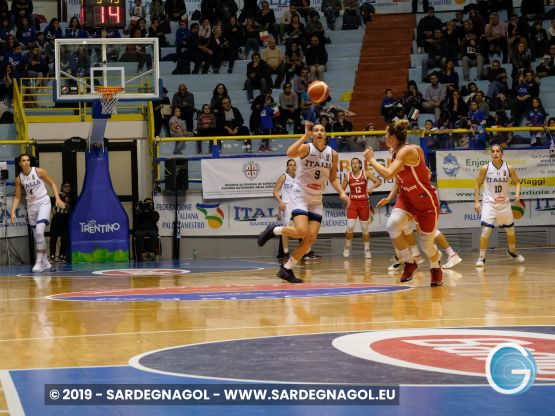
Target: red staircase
x,y
384,63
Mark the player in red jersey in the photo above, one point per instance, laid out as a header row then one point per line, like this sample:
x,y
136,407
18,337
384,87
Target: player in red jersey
x,y
357,181
417,199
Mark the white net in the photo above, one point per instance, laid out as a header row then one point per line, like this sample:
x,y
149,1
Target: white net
x,y
109,97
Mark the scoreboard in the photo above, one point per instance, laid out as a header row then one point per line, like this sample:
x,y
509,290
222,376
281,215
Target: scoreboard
x,y
109,14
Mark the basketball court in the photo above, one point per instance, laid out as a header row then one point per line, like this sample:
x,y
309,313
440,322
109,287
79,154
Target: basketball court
x,y
232,321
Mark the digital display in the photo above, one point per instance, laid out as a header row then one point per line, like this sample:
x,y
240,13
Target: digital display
x,y
103,14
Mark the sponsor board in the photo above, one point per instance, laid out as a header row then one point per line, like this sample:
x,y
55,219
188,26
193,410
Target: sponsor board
x,y
254,178
229,292
454,351
19,227
457,172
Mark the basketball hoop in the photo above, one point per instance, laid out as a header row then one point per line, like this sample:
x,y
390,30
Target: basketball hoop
x,y
109,98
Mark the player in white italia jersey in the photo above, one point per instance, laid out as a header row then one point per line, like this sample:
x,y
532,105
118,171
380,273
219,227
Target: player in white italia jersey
x,y
496,203
318,164
32,180
283,193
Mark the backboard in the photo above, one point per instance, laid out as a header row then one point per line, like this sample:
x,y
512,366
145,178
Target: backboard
x,y
81,65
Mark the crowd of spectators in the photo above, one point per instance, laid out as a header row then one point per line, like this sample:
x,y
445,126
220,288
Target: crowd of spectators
x,y
511,57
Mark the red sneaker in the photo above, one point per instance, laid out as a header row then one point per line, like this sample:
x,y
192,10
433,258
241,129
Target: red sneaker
x,y
409,270
437,276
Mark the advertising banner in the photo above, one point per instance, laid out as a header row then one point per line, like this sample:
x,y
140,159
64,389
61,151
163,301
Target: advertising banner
x,y
19,228
250,216
256,177
457,172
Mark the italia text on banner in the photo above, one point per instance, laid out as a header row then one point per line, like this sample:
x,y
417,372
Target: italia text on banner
x,y
457,171
255,177
19,227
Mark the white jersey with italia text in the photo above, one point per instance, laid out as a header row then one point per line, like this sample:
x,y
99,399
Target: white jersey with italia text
x,y
496,184
314,170
33,185
287,189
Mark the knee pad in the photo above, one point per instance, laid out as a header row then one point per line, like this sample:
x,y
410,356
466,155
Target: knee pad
x,y
351,226
427,244
397,222
486,232
407,230
364,227
39,236
437,233
510,231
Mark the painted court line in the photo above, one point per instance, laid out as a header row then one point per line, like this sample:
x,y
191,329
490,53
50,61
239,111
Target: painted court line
x,y
10,393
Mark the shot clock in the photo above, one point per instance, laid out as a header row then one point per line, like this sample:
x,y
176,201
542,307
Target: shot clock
x,y
108,14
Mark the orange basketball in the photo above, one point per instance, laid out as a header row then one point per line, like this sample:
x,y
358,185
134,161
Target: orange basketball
x,y
318,91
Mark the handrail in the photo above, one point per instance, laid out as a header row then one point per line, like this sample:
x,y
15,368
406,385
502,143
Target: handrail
x,y
19,118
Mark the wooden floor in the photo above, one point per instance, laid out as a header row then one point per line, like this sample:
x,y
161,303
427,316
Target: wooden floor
x,y
48,322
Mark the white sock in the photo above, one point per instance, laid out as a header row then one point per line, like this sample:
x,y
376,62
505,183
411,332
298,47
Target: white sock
x,y
415,251
482,254
278,230
290,263
450,251
366,245
285,251
406,255
348,243
434,264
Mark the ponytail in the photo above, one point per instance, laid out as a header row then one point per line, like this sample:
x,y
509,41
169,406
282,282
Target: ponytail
x,y
399,129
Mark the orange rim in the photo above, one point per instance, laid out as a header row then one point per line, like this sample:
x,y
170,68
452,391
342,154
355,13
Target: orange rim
x,y
108,92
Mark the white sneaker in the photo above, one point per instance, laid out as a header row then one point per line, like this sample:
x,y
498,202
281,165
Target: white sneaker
x,y
481,262
346,252
452,261
517,257
396,265
45,265
367,254
418,259
37,267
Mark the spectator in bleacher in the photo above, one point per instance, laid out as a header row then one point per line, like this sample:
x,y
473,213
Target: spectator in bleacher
x,y
235,34
303,7
25,34
182,35
532,9
496,35
468,92
495,71
459,23
482,103
137,10
18,61
536,118
316,58
225,9
533,85
160,110
274,58
453,38
478,23
37,64
21,8
178,129
74,30
5,30
9,44
522,59
208,10
429,23
289,106
477,121
252,37
206,125
456,106
223,51
257,107
188,50
266,19
286,19
501,138
412,98
436,49
350,7
523,98
257,76
45,47
538,40
250,9
517,29
547,66
158,11
301,82
472,55
315,28
294,61
230,122
7,79
343,125
387,104
434,96
154,31
218,94
331,9
498,92
138,52
53,31
79,63
205,30
449,77
295,32
551,32
266,123
185,101
4,10
175,9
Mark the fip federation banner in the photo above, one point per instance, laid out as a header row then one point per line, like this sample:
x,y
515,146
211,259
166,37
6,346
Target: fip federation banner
x,y
457,172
